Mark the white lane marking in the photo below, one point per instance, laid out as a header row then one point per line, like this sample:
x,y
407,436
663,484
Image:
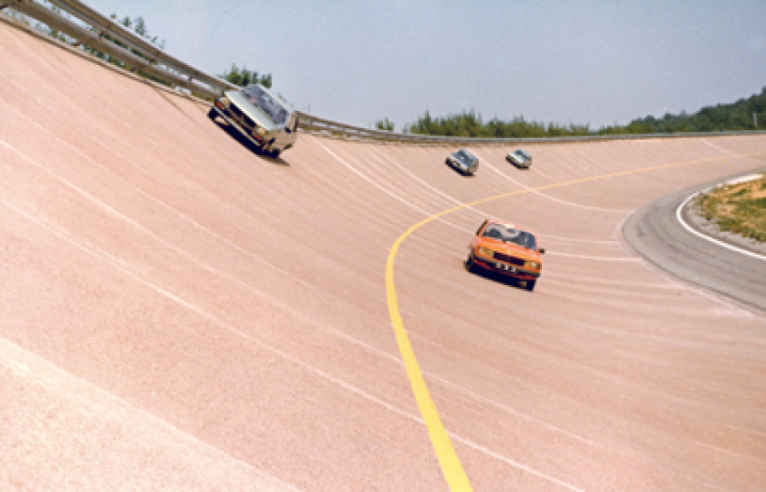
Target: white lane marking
x,y
594,258
708,238
262,294
175,248
115,263
742,179
742,429
725,306
485,162
527,189
611,242
159,203
721,450
529,470
435,190
61,377
716,147
381,188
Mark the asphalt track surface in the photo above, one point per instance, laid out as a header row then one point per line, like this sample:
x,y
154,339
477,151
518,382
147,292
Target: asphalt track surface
x,y
703,256
179,313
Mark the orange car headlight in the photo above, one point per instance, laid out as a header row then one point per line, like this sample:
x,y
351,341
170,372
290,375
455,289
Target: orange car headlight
x,y
486,252
532,264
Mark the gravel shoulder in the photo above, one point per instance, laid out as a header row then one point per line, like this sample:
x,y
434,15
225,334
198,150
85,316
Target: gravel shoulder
x,y
695,219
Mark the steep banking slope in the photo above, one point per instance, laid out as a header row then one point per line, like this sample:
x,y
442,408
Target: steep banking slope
x,y
178,312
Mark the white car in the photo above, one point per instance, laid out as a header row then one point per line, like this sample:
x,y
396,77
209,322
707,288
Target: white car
x,y
261,116
464,162
519,158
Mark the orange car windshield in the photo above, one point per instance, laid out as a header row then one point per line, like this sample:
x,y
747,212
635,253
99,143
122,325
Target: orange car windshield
x,y
510,235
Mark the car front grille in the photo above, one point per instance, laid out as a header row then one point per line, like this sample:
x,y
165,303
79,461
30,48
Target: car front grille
x,y
508,259
242,118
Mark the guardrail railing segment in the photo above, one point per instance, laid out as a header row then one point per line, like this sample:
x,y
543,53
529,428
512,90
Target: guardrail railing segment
x,y
180,74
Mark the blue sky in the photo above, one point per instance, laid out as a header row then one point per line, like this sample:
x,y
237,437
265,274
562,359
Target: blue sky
x,y
553,61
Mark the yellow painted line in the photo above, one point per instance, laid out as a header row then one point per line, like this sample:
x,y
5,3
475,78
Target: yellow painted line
x,y
445,453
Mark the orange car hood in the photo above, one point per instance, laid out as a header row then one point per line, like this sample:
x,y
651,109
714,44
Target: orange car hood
x,y
508,248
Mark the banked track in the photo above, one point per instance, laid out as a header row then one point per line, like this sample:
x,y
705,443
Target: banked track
x,y
178,313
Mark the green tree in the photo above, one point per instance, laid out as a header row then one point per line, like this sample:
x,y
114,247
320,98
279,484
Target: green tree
x,y
244,77
737,116
385,125
470,124
137,25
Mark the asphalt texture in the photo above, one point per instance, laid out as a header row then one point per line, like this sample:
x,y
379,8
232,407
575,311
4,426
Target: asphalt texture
x,y
738,271
178,312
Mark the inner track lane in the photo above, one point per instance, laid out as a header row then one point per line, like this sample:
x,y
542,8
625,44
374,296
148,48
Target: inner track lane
x,y
450,463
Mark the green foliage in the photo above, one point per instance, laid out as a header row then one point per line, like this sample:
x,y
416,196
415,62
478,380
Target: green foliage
x,y
737,116
244,77
470,124
137,25
736,209
385,125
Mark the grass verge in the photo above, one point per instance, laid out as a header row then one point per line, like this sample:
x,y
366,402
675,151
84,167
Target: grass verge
x,y
738,208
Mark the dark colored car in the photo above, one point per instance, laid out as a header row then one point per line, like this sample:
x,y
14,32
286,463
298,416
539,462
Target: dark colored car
x,y
464,162
507,249
519,158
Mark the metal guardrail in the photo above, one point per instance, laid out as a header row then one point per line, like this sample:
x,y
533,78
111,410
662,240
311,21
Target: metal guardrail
x,y
93,36
349,132
119,32
183,75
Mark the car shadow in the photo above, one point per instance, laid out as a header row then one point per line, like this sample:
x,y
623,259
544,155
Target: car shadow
x,y
245,142
496,277
517,166
459,172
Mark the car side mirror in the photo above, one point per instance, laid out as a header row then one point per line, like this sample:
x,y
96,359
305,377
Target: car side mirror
x,y
542,251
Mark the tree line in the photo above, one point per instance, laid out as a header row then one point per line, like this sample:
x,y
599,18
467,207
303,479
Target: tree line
x,y
469,124
742,115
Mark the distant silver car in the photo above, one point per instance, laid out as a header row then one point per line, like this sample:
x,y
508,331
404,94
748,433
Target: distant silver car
x,y
520,158
264,118
464,162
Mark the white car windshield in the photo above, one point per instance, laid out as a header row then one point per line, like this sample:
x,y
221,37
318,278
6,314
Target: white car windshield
x,y
465,157
510,235
260,98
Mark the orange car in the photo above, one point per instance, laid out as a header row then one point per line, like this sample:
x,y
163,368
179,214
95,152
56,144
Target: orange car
x,y
508,249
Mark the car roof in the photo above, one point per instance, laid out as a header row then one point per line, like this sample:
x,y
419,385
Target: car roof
x,y
509,224
276,95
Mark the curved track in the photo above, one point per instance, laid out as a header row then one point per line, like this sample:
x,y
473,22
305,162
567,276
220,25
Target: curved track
x,y
180,313
715,263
